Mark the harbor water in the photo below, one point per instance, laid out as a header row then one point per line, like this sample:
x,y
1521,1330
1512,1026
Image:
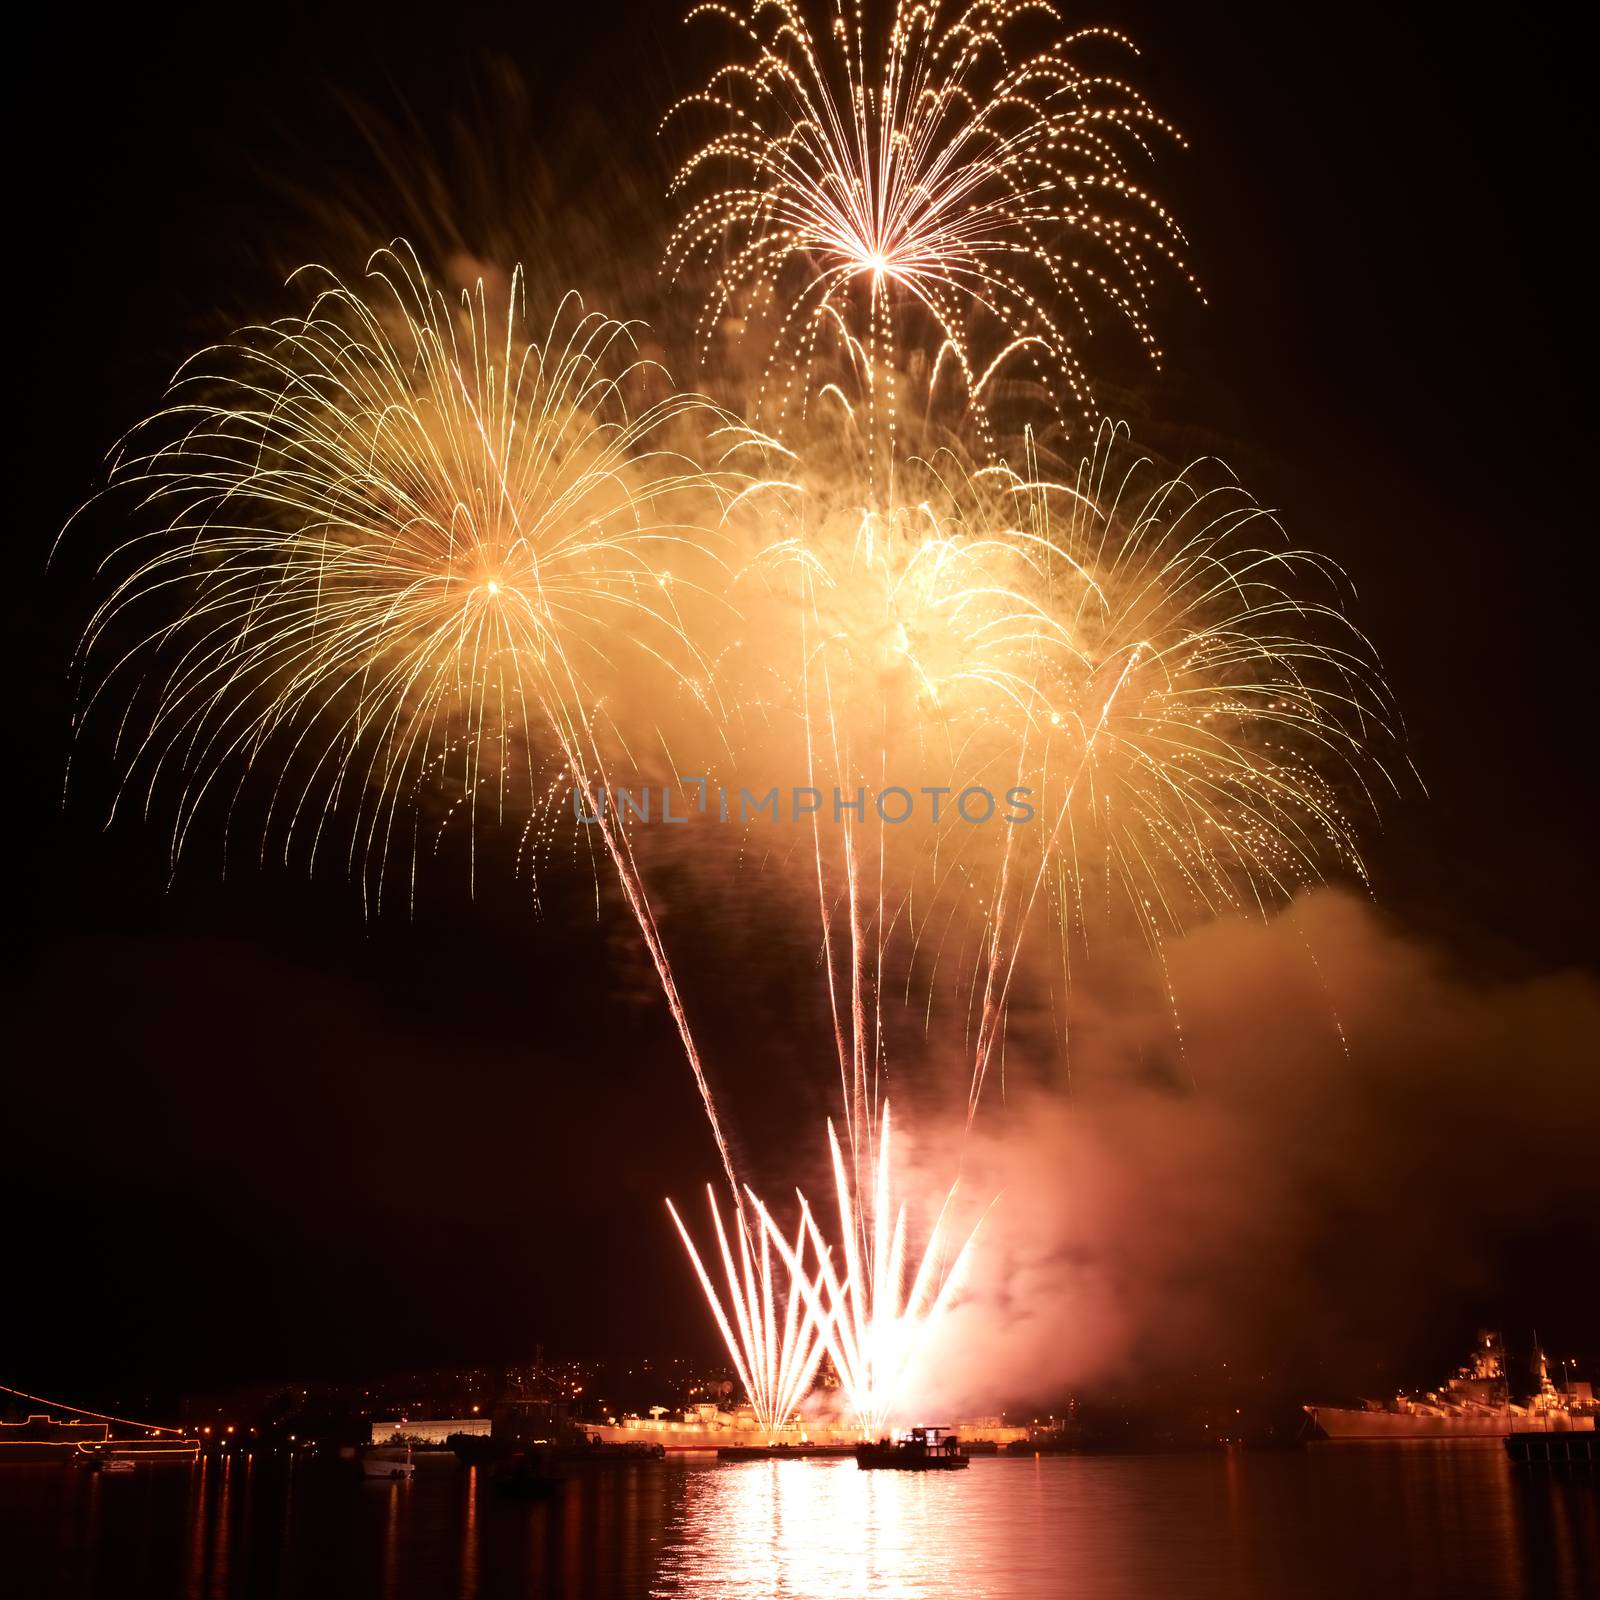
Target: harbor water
x,y
1419,1520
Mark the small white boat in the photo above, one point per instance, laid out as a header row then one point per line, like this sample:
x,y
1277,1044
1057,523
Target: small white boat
x,y
388,1461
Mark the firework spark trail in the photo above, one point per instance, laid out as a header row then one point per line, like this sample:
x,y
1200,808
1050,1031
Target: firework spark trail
x,y
996,993
936,166
851,1066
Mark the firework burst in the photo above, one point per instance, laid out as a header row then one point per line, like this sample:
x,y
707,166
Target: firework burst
x,y
1210,723
405,539
408,541
928,193
1182,696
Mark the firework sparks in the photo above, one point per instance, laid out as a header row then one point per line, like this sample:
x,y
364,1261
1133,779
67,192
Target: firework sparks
x,y
935,171
1209,720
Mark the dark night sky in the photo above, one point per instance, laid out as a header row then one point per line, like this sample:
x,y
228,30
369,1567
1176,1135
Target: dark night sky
x,y
247,1133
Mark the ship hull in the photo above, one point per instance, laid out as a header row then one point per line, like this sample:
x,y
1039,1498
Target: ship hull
x,y
1339,1422
896,1458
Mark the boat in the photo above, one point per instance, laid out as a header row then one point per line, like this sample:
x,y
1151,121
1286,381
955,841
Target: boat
x,y
85,1438
388,1461
1474,1404
120,1455
40,1437
916,1450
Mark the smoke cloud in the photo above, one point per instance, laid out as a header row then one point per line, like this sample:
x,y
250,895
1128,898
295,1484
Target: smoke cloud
x,y
1341,1138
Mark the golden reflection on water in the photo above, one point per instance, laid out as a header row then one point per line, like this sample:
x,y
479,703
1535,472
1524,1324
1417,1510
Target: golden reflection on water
x,y
221,1541
827,1530
396,1493
469,1536
195,1528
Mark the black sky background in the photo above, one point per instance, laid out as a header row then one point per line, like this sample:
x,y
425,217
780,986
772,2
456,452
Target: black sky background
x,y
246,1132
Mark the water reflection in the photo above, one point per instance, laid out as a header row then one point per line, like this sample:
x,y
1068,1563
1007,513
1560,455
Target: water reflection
x,y
469,1538
1446,1524
821,1528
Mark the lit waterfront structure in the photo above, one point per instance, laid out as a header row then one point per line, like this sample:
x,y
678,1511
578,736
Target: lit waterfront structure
x,y
708,1427
428,1430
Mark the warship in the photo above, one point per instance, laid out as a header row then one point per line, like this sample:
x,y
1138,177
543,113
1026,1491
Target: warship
x,y
1474,1404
